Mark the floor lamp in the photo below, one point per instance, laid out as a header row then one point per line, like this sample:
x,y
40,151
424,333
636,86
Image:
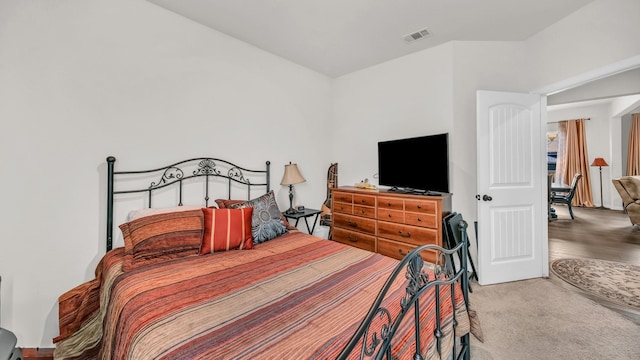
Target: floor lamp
x,y
599,162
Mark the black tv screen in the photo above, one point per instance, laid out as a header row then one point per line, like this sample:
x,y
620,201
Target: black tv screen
x,y
419,164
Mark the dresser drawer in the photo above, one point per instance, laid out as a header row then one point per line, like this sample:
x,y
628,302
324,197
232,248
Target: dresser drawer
x,y
342,197
355,239
342,207
388,203
365,211
407,234
399,250
421,219
355,223
422,206
390,215
365,200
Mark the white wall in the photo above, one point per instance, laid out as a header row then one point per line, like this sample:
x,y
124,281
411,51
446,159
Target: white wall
x,y
600,33
406,97
80,80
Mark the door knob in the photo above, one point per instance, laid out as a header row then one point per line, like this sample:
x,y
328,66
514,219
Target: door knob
x,y
486,198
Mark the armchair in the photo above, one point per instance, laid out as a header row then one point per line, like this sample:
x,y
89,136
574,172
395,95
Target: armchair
x,y
629,189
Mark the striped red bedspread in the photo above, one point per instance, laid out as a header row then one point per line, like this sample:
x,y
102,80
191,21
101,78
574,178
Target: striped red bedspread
x,y
294,297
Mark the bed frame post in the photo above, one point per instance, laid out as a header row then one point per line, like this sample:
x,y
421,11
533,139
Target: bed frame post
x,y
110,162
268,176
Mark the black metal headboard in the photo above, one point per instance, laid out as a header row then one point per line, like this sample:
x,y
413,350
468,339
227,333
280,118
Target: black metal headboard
x,y
176,174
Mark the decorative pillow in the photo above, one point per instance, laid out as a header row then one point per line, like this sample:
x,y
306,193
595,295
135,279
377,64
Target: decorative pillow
x,y
161,237
226,203
266,222
226,229
137,214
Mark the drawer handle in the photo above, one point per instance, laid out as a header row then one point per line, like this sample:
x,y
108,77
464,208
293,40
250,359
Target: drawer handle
x,y
389,204
363,201
352,224
389,215
352,239
363,211
419,206
419,219
401,252
408,234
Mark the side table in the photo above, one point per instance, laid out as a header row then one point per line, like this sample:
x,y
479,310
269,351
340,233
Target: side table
x,y
304,214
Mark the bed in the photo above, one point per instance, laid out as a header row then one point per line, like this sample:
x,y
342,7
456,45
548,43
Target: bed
x,y
228,282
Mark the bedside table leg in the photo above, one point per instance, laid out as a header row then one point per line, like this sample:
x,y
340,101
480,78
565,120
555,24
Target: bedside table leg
x,y
315,220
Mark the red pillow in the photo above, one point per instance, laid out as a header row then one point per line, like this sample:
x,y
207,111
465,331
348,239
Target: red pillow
x,y
226,229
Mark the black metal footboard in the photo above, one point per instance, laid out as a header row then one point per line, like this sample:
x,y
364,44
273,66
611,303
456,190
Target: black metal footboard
x,y
377,343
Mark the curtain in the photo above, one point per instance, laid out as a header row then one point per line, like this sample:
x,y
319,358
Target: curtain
x,y
558,178
633,158
575,160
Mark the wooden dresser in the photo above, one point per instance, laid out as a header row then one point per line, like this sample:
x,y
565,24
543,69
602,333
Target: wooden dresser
x,y
387,222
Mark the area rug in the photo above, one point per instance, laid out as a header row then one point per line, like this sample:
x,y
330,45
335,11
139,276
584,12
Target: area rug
x,y
613,281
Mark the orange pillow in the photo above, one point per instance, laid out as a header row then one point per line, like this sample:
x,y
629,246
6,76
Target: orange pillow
x,y
226,229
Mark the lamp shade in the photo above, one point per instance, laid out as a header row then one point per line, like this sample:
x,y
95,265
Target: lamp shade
x,y
292,175
599,162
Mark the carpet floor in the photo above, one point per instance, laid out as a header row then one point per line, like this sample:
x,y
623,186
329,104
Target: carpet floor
x,y
538,319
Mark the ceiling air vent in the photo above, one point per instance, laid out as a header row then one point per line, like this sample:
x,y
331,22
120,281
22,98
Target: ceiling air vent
x,y
420,34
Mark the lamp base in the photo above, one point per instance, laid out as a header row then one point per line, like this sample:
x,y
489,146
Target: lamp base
x,y
291,211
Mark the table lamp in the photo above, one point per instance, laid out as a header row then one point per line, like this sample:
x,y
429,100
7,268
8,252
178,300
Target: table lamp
x,y
291,176
599,162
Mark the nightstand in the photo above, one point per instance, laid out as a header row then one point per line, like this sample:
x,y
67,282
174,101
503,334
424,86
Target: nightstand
x,y
304,214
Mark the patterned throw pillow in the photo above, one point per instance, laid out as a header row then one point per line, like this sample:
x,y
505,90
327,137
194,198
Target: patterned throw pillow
x,y
157,238
266,222
226,229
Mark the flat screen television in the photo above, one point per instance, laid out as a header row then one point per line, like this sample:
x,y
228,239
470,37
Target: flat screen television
x,y
415,165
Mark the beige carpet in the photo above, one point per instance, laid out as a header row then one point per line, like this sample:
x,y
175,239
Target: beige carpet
x,y
537,319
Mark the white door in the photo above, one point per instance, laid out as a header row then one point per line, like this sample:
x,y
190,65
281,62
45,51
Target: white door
x,y
512,188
